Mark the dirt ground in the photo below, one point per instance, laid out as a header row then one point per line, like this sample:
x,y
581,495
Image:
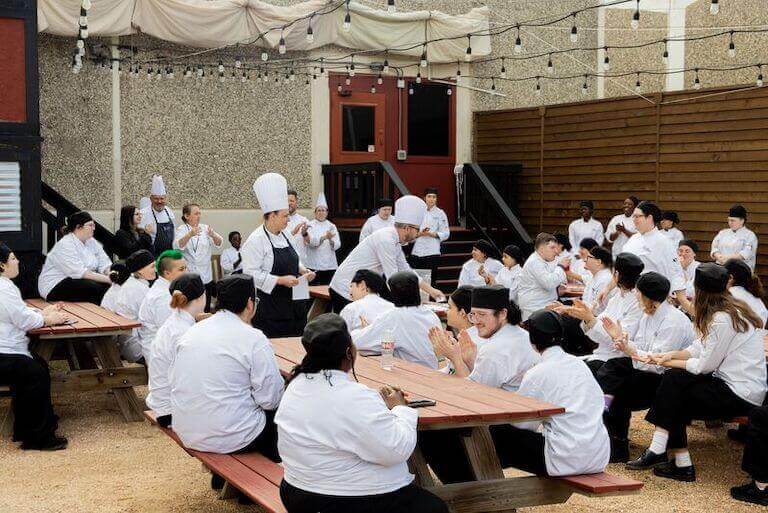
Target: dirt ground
x,y
116,467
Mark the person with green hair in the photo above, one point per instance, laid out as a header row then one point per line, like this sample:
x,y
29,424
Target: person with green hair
x,y
156,307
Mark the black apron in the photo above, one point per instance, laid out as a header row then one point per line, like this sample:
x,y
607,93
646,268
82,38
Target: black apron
x,y
163,234
277,314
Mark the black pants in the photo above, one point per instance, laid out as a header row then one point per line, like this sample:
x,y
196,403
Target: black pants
x,y
165,420
594,366
631,389
755,459
266,443
425,262
30,384
409,499
87,291
575,341
519,448
210,293
337,301
682,397
323,277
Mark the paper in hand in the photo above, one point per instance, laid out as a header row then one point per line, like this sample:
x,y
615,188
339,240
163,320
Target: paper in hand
x,y
301,290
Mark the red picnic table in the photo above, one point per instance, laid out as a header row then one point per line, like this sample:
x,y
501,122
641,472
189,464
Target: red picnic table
x,y
101,328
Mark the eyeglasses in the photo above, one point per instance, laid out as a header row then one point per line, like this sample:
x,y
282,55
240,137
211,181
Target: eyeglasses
x,y
478,316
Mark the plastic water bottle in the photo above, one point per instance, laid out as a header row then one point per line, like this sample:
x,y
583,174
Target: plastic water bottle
x,y
387,350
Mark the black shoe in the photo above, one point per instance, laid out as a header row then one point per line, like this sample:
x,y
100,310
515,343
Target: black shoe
x,y
619,450
737,434
750,493
55,443
217,482
647,460
671,471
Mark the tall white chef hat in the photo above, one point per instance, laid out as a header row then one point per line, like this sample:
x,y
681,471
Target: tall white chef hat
x,y
158,186
321,201
271,191
410,210
144,203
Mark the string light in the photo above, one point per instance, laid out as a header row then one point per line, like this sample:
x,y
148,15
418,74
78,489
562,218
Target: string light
x,y
410,89
352,71
538,87
169,72
518,42
221,67
665,55
385,67
731,46
264,56
550,65
310,32
635,23
379,79
714,7
348,81
245,77
606,60
760,75
574,30
238,63
697,82
418,77
423,63
468,56
199,71
503,72
585,86
493,84
373,88
391,6
281,45
458,72
637,84
347,19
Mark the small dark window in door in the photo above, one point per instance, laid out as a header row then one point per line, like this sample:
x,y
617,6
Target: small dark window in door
x,y
429,120
358,127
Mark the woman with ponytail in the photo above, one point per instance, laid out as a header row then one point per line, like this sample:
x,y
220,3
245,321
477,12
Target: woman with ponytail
x,y
345,446
118,273
746,286
187,302
141,271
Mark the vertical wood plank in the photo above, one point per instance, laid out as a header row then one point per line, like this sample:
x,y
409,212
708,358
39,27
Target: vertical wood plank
x,y
129,403
481,453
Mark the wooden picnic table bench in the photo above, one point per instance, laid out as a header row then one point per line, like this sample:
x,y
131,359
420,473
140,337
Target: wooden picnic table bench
x,y
459,403
101,328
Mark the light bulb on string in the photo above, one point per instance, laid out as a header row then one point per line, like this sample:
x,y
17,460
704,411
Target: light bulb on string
x,y
322,67
585,86
458,72
449,91
199,71
373,88
306,82
410,89
339,88
264,56
169,72
385,66
310,31
759,75
550,65
352,66
538,86
81,51
287,78
82,20
80,43
493,84
292,75
380,80
347,19
244,77
233,76
714,7
665,55
221,67
348,81
696,81
84,32
606,60
281,45
423,62
503,71
518,42
731,46
418,77
238,63
149,73
637,84
187,72
574,30
391,6
86,4
468,55
635,23
222,78
266,75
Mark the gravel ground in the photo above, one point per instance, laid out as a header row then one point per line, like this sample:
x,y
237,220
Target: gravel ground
x,y
114,466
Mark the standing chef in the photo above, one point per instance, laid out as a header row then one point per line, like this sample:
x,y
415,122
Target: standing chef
x,y
322,242
271,259
158,218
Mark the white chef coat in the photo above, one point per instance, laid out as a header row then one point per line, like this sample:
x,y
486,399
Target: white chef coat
x,y
504,358
370,306
198,251
624,307
579,230
320,256
163,354
224,377
410,327
375,223
736,358
538,284
337,437
622,239
437,222
380,253
163,216
510,278
470,274
689,273
575,442
109,301
16,319
579,266
228,258
153,312
742,241
659,255
668,329
755,303
297,240
71,258
128,304
674,235
258,257
594,287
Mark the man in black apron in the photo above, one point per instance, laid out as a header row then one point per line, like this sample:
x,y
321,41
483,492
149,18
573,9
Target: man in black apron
x,y
162,232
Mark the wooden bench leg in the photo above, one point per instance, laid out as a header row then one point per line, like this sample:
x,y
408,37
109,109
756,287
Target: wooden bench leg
x,y
482,454
319,307
228,491
417,464
45,348
129,403
6,424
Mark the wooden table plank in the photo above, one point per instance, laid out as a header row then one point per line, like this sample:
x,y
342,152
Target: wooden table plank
x,y
87,320
40,304
319,291
262,466
119,320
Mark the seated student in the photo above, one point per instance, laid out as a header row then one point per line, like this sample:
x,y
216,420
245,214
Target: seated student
x,y
118,274
628,382
755,459
668,225
541,276
736,241
509,275
409,323
355,459
225,384
721,375
577,270
457,316
28,376
367,303
76,267
482,268
231,261
623,307
746,286
383,218
187,302
141,266
156,306
585,226
686,253
505,356
131,236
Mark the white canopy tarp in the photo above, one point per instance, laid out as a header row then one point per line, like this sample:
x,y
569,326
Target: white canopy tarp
x,y
215,23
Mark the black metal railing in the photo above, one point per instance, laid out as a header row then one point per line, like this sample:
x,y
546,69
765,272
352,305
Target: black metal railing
x,y
352,190
54,212
488,200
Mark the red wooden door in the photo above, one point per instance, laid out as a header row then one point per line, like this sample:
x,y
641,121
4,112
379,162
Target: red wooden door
x,y
358,127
